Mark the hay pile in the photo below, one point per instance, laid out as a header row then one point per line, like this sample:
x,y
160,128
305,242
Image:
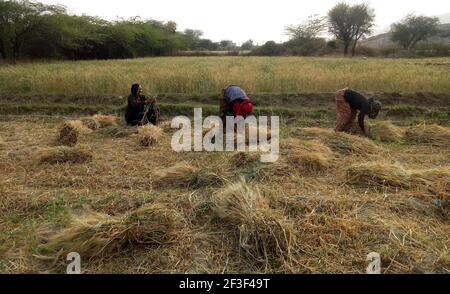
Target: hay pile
x,y
263,233
90,123
435,180
385,131
429,134
378,174
69,132
64,154
97,235
105,121
184,175
310,162
2,144
340,142
241,159
149,135
383,174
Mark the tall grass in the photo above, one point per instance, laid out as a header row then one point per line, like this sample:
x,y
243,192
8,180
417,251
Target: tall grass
x,y
199,75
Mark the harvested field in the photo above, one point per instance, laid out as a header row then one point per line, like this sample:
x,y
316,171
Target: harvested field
x,y
329,201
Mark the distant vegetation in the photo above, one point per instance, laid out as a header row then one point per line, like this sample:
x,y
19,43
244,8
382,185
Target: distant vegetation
x,y
31,30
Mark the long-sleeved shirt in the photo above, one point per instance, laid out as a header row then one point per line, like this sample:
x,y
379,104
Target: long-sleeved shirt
x,y
359,102
135,109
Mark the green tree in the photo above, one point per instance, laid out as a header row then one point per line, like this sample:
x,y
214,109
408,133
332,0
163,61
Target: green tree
x,y
413,29
18,21
349,23
247,45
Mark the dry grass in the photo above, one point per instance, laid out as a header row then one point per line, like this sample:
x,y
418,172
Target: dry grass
x,y
378,174
385,131
383,174
341,142
436,180
263,233
241,159
64,154
149,135
309,161
105,121
90,123
186,176
69,132
279,221
429,134
97,235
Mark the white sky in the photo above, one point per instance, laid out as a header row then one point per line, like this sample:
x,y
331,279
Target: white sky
x,y
240,20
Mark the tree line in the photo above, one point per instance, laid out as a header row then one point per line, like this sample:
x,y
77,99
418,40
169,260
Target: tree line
x,y
349,24
32,30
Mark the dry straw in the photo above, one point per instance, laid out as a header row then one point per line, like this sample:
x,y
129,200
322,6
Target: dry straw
x,y
186,176
263,233
341,142
105,121
383,174
64,154
241,159
97,235
378,174
429,134
69,132
149,135
385,131
310,162
90,123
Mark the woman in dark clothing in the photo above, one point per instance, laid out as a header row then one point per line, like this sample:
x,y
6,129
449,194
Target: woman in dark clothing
x,y
140,110
348,102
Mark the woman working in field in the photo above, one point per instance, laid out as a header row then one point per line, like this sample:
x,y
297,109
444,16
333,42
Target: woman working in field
x,y
235,102
140,110
348,102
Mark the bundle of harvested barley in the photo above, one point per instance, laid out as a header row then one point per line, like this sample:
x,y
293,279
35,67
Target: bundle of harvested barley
x,y
90,123
429,134
436,180
385,131
118,131
309,161
341,142
240,159
186,176
149,135
378,174
264,233
99,235
64,154
105,121
69,132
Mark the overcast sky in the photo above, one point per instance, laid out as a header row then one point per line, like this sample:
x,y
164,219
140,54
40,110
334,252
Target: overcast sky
x,y
240,20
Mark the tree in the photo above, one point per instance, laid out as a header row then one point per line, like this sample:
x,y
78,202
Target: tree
x,y
247,45
413,29
18,20
192,38
312,28
362,18
350,23
305,38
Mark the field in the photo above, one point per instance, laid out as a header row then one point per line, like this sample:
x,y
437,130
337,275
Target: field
x,y
326,204
204,75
